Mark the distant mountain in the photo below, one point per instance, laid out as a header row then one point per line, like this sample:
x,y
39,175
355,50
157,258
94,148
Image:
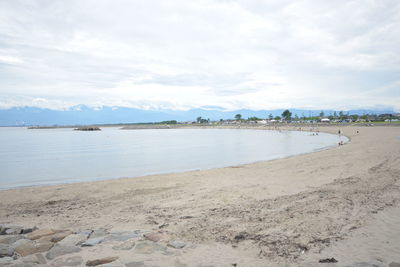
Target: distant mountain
x,y
81,115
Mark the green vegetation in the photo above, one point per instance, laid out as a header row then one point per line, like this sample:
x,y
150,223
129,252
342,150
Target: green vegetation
x,y
287,115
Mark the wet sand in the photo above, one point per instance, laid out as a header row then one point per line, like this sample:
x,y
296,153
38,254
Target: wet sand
x,y
294,210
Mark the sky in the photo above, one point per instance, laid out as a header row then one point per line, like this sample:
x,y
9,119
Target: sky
x,y
178,54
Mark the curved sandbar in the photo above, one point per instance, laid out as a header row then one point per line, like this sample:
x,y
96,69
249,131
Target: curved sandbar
x,y
281,209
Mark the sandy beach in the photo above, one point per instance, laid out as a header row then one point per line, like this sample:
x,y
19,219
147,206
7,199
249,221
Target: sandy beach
x,y
343,202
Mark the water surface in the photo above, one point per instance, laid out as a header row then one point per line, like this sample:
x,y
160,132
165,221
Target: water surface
x,y
55,156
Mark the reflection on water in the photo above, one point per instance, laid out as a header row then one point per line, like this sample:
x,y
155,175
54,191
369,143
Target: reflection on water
x,y
37,157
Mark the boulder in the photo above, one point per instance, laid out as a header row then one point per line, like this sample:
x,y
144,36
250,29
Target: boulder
x,y
99,233
135,264
176,244
34,258
9,239
92,242
149,248
41,233
10,229
57,251
101,261
123,236
127,245
73,240
6,250
32,247
6,260
70,261
56,237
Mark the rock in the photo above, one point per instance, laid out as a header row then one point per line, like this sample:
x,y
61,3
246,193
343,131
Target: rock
x,y
101,261
127,245
9,239
70,261
149,248
155,236
394,264
10,229
20,242
41,233
123,236
57,251
73,240
135,264
56,237
92,242
176,244
14,231
328,260
35,258
99,233
6,250
28,230
32,247
6,260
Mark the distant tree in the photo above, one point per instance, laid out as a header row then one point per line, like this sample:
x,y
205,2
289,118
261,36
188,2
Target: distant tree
x,y
270,117
287,115
341,115
321,114
253,119
198,119
238,117
354,117
296,117
334,114
277,118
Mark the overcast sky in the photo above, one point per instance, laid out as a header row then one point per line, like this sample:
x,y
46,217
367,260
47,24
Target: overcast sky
x,y
180,54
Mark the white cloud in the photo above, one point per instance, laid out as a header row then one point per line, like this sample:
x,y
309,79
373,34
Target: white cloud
x,y
185,54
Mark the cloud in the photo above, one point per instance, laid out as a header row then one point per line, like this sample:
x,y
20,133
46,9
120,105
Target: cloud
x,y
186,54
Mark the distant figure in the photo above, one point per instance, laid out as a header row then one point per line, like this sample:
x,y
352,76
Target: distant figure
x,y
339,132
357,131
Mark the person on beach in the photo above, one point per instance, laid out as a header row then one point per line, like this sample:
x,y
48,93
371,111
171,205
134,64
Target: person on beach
x,y
339,132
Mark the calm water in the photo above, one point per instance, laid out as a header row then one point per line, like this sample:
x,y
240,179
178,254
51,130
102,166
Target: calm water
x,y
54,156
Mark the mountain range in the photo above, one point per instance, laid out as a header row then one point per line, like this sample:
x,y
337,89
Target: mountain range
x,y
81,115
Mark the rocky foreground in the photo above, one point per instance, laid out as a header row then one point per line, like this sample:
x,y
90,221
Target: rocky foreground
x,y
26,247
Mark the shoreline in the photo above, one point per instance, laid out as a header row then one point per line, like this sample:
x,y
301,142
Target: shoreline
x,y
290,128
280,211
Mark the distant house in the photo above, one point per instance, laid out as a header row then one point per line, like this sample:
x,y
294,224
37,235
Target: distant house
x,y
325,120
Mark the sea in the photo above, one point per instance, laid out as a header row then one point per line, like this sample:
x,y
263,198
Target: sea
x,y
35,157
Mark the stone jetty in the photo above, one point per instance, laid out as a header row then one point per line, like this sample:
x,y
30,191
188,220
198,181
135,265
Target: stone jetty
x,y
30,246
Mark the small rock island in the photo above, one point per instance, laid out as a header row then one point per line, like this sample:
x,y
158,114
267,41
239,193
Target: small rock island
x,y
88,128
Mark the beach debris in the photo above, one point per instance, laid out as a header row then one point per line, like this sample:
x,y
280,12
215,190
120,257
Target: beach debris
x,y
176,244
57,251
328,260
101,261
